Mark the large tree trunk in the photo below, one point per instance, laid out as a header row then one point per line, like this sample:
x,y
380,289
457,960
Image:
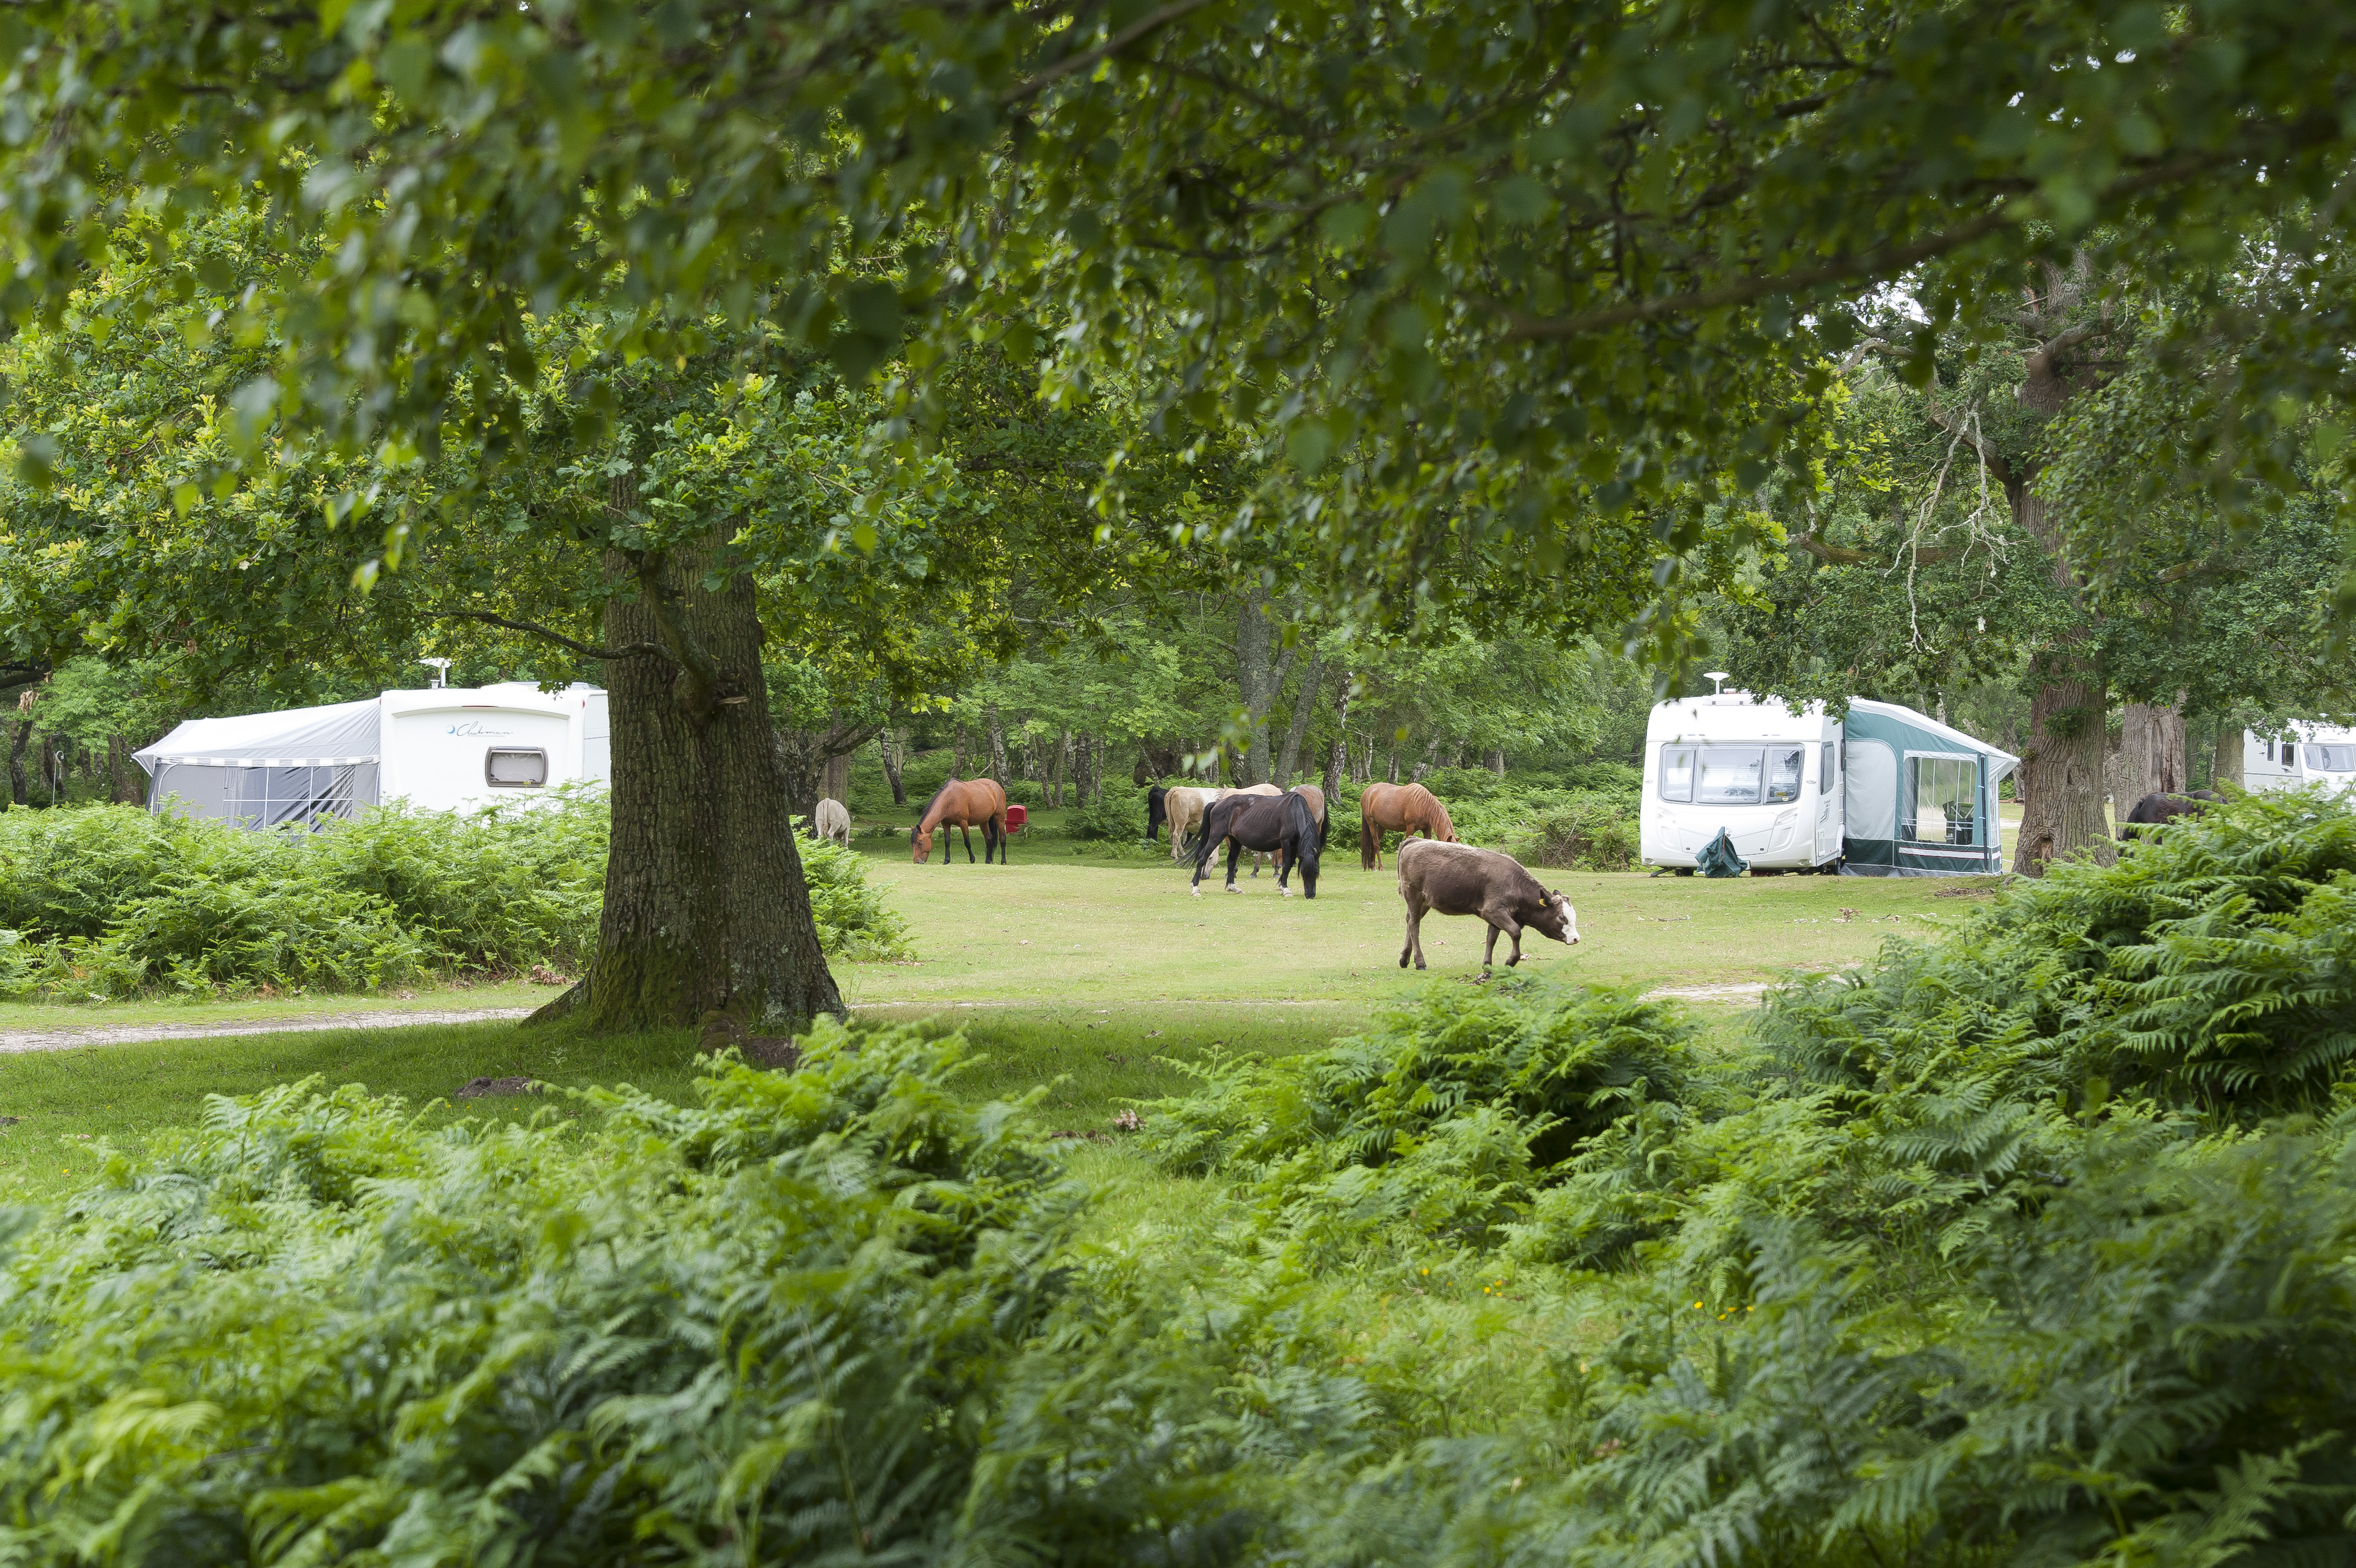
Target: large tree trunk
x,y
2151,753
2062,772
707,918
2062,805
836,783
1304,709
801,768
997,748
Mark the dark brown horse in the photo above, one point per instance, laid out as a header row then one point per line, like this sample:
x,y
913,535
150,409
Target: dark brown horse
x,y
2159,810
965,804
1399,809
1281,823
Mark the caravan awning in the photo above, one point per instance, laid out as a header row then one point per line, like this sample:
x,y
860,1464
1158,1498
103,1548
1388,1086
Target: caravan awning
x,y
341,734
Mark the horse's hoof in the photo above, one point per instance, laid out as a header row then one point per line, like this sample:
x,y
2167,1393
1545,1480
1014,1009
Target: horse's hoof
x,y
1233,888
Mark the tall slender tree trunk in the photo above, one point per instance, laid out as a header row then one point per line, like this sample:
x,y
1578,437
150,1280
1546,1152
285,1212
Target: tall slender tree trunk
x,y
1260,671
1337,761
1497,760
957,756
2227,769
1304,710
118,771
894,745
707,918
16,762
997,746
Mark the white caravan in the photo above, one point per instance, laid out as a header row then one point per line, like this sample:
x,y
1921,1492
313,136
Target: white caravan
x,y
2317,754
1886,792
448,749
1769,777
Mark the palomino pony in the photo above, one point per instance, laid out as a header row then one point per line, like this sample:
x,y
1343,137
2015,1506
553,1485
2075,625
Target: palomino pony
x,y
1182,809
1249,820
964,804
1399,809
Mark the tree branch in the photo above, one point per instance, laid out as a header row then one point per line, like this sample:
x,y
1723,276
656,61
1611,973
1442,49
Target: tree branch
x,y
635,651
1964,432
2039,365
1830,554
1152,22
1888,260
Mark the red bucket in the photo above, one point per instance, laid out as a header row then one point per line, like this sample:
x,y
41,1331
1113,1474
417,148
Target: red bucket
x,y
1015,817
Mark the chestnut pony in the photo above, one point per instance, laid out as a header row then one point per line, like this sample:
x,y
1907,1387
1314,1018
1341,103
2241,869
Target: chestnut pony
x,y
1399,809
965,804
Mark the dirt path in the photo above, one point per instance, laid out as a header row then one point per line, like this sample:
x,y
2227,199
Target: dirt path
x,y
67,1038
132,1034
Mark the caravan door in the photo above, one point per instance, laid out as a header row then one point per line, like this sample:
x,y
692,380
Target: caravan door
x,y
1831,800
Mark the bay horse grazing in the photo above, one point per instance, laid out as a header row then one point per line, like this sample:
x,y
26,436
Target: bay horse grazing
x,y
2159,810
964,804
1252,821
1399,809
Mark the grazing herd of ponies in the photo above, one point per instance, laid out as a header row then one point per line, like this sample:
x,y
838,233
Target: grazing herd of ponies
x,y
1437,872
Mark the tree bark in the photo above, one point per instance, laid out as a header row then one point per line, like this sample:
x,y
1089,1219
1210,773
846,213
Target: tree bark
x,y
997,746
118,780
2061,774
1337,760
16,762
1497,760
1260,671
707,918
1304,709
2227,769
835,785
957,756
893,744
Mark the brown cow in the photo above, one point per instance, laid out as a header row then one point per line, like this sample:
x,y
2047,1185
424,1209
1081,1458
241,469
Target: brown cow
x,y
1458,879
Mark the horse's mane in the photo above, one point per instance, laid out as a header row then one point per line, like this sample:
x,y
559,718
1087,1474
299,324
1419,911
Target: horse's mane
x,y
1440,808
928,807
1311,832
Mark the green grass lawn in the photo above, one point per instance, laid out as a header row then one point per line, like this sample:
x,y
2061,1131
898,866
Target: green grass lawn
x,y
1095,975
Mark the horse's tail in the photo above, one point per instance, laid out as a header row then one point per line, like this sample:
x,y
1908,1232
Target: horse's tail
x,y
1370,845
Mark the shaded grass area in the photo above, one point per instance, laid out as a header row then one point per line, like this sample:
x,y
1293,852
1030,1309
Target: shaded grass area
x,y
70,1103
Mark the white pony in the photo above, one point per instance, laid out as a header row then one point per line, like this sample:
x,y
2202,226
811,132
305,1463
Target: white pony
x,y
832,820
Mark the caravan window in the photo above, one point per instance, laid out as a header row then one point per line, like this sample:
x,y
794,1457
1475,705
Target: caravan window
x,y
1783,766
2290,754
1676,772
514,769
1943,799
2332,759
1730,775
1824,782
